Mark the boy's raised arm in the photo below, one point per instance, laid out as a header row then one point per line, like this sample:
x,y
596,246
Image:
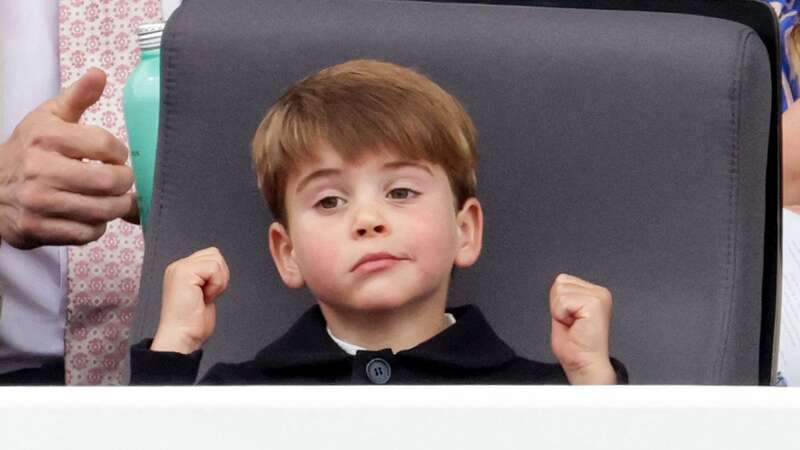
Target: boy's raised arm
x,y
188,313
581,314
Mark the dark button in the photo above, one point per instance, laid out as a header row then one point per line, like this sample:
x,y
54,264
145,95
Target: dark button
x,y
379,371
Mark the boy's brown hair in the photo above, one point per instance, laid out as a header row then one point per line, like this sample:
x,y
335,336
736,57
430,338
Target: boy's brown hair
x,y
361,106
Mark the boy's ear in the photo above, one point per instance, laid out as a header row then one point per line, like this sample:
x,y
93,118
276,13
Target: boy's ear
x,y
280,246
469,221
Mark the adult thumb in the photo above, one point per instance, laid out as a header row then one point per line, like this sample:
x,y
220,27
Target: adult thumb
x,y
74,100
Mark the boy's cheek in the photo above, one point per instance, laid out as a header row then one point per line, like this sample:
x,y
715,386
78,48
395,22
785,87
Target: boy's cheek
x,y
319,263
319,259
433,240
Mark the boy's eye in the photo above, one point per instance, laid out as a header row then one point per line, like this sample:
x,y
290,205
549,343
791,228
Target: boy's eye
x,y
330,202
401,193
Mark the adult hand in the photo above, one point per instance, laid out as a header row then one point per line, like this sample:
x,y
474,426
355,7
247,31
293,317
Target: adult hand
x,y
49,193
581,314
188,312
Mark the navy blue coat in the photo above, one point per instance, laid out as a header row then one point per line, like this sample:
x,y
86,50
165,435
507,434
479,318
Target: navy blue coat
x,y
467,352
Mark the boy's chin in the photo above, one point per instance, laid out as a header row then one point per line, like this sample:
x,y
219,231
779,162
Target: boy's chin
x,y
381,294
372,302
368,305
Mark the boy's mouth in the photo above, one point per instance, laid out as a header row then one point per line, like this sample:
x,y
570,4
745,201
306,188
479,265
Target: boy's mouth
x,y
376,261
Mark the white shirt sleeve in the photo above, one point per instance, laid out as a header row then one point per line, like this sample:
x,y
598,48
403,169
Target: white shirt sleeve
x,y
34,281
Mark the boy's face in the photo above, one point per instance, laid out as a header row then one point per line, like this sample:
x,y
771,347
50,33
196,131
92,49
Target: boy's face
x,y
374,234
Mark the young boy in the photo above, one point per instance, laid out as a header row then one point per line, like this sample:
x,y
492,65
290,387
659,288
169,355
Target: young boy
x,y
369,169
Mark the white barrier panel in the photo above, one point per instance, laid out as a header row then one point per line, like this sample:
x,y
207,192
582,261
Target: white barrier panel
x,y
400,417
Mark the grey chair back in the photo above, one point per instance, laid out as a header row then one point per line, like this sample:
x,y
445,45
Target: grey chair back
x,y
631,146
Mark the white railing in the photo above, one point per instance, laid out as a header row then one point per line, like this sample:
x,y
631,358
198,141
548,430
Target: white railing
x,y
401,417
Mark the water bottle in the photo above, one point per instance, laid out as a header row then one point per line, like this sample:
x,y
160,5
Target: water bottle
x,y
140,103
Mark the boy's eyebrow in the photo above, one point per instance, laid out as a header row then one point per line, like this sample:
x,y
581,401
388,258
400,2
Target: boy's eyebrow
x,y
321,173
401,164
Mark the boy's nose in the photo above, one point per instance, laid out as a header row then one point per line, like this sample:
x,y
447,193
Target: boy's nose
x,y
368,223
377,229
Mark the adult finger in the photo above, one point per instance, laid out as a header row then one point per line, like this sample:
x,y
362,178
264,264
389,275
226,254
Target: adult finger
x,y
132,216
56,231
78,141
71,103
65,174
78,207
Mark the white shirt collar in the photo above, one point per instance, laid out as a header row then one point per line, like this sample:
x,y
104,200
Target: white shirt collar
x,y
351,349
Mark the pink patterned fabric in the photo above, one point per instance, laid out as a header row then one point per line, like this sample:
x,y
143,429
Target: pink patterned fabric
x,y
104,275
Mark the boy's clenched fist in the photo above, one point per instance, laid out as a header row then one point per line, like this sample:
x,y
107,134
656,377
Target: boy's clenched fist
x,y
188,313
581,314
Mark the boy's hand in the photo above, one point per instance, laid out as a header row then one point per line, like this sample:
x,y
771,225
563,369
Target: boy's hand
x,y
188,313
581,313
